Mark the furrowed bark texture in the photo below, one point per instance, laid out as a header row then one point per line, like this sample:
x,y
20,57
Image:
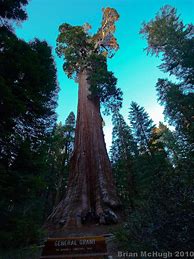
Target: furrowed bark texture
x,y
91,193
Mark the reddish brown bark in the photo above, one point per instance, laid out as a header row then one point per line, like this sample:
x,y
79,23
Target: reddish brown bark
x,y
91,192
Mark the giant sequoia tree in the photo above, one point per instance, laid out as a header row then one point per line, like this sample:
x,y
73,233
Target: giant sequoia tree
x,y
91,192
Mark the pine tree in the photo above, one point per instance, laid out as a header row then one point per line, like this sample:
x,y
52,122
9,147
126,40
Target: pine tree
x,y
29,92
166,140
122,153
27,115
168,35
178,108
63,144
165,220
123,146
142,127
22,204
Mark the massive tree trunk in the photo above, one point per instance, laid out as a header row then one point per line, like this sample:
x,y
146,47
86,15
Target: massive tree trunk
x,y
91,193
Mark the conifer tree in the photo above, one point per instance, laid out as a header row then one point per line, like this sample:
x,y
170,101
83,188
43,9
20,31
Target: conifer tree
x,y
165,221
123,146
91,193
178,108
27,115
166,34
122,153
62,145
29,92
22,189
142,127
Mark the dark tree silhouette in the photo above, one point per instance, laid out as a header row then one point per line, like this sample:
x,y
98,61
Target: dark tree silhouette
x,y
142,127
122,153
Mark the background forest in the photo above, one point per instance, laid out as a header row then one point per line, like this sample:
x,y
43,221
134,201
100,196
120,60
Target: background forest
x,y
152,164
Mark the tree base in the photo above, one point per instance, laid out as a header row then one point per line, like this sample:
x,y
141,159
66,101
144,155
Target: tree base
x,y
108,217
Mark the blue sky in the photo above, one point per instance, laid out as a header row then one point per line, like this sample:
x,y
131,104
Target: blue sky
x,y
137,73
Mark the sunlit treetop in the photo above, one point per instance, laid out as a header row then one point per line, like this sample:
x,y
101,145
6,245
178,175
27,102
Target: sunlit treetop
x,y
104,39
167,29
81,51
76,44
167,35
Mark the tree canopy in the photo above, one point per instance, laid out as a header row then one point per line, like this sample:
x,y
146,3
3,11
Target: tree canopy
x,y
84,51
12,10
142,127
162,218
29,89
168,35
28,100
152,165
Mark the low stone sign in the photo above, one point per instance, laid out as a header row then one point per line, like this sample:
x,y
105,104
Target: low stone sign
x,y
74,247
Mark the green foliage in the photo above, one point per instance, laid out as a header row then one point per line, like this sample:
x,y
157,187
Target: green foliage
x,y
21,206
29,87
103,84
60,151
123,145
179,107
164,214
168,35
74,44
13,9
154,183
27,116
167,140
152,166
33,184
122,154
165,221
142,127
82,51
